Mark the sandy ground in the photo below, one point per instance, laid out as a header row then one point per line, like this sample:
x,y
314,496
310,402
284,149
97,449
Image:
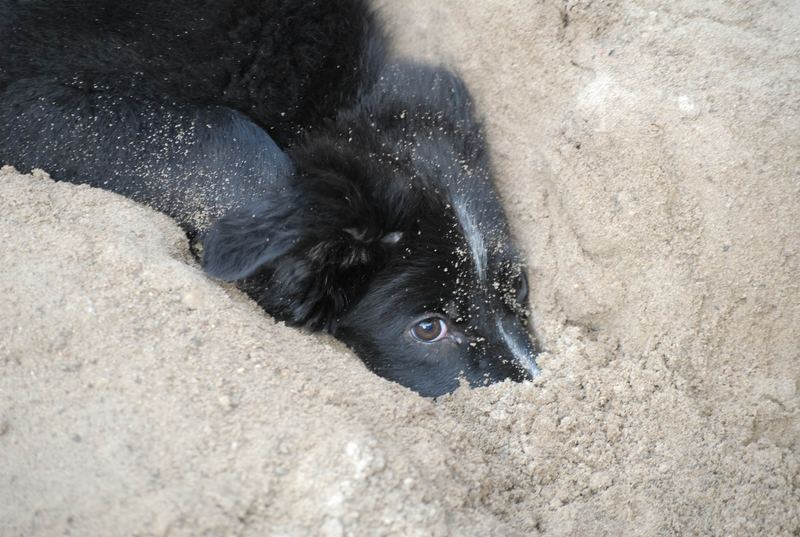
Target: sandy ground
x,y
649,156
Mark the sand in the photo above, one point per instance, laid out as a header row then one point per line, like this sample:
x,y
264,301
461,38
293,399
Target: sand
x,y
649,157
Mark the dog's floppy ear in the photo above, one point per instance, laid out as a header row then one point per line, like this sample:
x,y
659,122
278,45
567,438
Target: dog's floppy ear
x,y
303,255
243,241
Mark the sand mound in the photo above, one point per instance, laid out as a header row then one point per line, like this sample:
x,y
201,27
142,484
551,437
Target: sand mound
x,y
649,158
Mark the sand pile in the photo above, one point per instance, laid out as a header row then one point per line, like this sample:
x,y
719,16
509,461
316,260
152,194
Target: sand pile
x,y
649,157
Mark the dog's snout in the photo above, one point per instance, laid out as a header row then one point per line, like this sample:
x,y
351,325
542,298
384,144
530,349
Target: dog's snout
x,y
507,353
518,348
497,364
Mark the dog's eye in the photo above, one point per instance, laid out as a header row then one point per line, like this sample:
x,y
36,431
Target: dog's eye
x,y
429,330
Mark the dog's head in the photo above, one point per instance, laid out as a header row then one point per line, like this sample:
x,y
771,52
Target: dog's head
x,y
391,236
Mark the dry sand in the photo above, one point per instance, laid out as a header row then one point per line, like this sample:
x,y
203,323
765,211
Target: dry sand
x,y
649,157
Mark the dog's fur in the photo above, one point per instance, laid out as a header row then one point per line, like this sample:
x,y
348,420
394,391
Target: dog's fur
x,y
382,216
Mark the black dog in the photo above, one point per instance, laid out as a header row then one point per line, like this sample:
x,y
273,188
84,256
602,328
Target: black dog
x,y
381,227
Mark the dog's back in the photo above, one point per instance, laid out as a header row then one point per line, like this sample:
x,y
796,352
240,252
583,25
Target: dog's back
x,y
286,64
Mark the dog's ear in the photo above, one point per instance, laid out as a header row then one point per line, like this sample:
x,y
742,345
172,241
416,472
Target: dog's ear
x,y
303,258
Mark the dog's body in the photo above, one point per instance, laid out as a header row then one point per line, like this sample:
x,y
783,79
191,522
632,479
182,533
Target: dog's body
x,y
382,226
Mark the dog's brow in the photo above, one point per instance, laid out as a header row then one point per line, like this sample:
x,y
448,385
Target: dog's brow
x,y
472,233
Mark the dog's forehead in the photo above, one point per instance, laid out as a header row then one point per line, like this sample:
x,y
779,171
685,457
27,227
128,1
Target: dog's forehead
x,y
460,228
487,278
484,244
469,272
467,241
